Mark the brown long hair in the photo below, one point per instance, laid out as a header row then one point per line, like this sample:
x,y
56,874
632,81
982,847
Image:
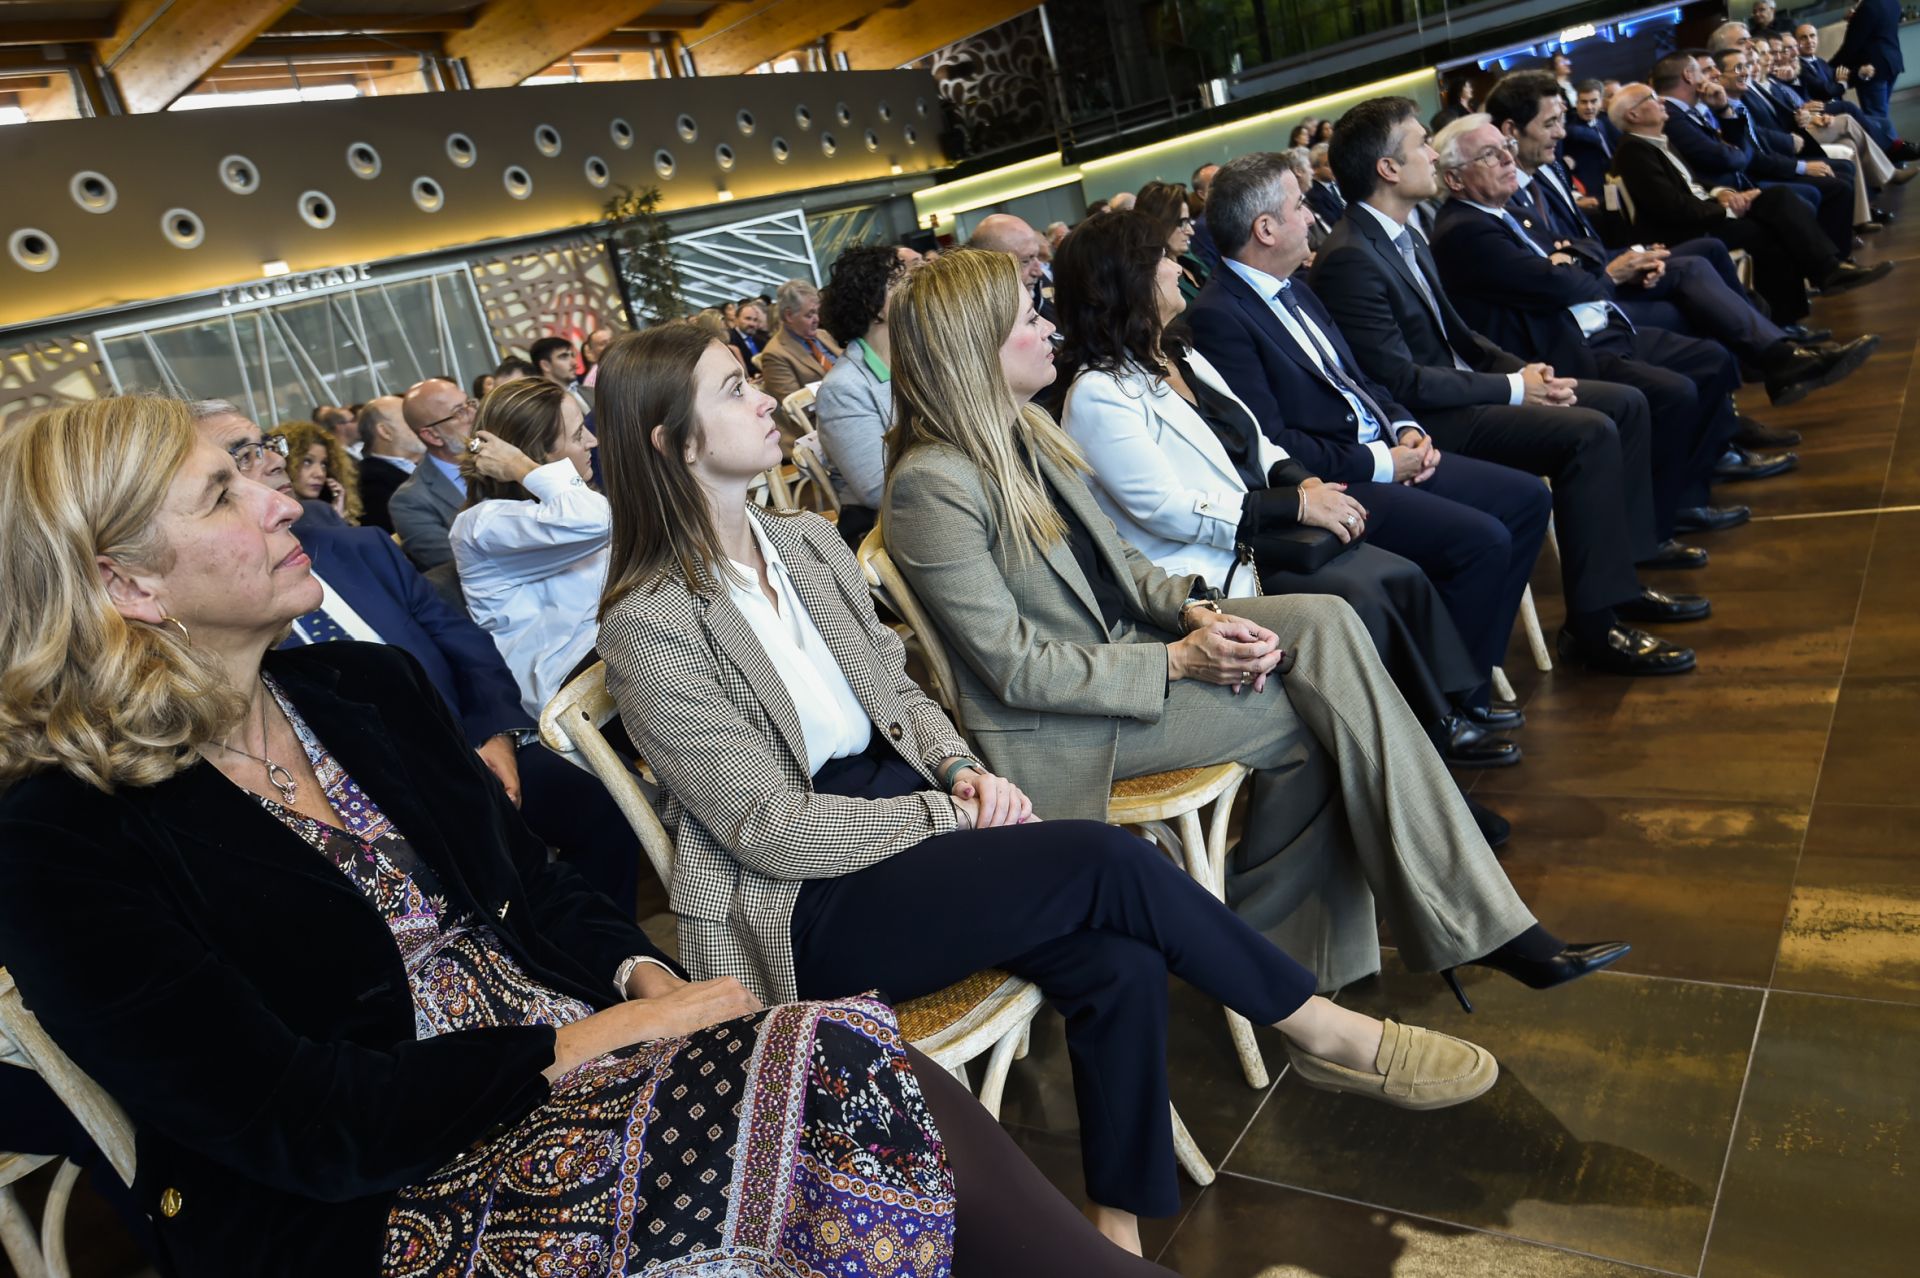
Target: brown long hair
x,y
947,324
661,520
525,413
301,436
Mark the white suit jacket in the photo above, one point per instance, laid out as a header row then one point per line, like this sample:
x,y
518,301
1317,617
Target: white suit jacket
x,y
1160,473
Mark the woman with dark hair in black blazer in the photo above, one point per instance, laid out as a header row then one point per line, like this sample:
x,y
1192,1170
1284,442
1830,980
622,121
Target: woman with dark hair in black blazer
x,y
272,902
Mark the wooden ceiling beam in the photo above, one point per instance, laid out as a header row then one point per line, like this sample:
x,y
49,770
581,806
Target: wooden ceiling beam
x,y
69,31
513,39
770,30
370,23
159,50
895,37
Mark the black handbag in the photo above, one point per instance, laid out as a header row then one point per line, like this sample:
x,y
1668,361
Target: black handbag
x,y
1294,547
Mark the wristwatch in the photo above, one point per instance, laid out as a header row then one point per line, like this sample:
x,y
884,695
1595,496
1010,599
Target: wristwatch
x,y
1203,596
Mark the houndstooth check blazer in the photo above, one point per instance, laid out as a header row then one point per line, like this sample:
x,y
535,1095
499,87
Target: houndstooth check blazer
x,y
704,706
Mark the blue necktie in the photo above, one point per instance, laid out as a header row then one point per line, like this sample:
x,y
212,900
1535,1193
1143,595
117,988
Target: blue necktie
x,y
318,627
1329,361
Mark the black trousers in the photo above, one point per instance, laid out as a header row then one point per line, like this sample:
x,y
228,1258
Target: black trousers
x,y
571,811
1475,528
1597,454
1688,383
1397,603
1788,246
1091,914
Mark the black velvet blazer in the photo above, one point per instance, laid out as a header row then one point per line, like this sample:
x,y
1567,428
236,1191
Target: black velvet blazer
x,y
248,1007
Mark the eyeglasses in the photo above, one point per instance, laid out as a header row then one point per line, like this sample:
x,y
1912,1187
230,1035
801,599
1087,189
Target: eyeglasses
x,y
467,409
251,453
1495,154
1186,222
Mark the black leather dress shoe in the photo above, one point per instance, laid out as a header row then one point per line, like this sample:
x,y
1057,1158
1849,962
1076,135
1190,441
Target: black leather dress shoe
x,y
1692,519
1500,716
1627,651
1882,216
1810,367
1570,964
1657,605
1847,276
1674,554
1802,334
1471,746
1739,464
1753,435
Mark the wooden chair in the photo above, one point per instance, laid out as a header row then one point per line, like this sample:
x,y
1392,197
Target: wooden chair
x,y
814,488
1148,802
42,1252
987,1014
798,406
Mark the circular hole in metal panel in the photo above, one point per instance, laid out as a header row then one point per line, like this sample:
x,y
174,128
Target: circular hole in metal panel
x,y
316,209
239,175
518,181
723,156
886,112
461,150
745,121
843,113
912,135
363,160
428,195
33,249
93,191
621,132
802,116
597,171
546,140
827,145
872,140
920,107
663,162
687,127
183,228
781,151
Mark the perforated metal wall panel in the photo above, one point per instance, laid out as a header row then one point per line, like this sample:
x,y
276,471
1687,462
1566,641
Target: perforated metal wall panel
x,y
100,213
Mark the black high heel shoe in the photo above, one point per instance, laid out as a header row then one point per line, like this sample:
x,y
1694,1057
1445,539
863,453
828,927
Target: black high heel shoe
x,y
1570,964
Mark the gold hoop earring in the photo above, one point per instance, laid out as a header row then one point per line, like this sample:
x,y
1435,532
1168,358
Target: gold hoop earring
x,y
185,638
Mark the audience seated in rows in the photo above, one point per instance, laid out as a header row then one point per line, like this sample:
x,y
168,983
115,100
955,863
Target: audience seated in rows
x,y
835,833
1179,464
391,452
854,405
531,543
1590,439
800,352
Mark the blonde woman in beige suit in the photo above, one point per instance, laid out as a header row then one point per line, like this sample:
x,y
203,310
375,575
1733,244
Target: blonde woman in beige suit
x,y
834,833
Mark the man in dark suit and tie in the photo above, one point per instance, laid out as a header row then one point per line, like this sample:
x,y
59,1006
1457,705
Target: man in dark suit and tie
x,y
1324,196
1870,53
1378,280
1588,149
390,453
1473,526
1544,306
372,594
1679,292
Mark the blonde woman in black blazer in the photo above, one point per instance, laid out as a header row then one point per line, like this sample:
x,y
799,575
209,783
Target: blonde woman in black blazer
x,y
833,833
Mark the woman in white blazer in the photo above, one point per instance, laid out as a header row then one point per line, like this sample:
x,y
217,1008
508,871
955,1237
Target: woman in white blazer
x,y
1156,421
531,545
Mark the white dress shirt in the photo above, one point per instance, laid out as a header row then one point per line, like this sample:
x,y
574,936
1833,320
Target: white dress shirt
x,y
1516,385
832,719
532,572
1373,434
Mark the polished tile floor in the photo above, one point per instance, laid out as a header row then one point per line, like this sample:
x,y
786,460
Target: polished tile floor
x,y
1741,1097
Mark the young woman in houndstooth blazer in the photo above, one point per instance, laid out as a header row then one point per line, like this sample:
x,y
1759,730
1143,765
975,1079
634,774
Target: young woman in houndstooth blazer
x,y
833,833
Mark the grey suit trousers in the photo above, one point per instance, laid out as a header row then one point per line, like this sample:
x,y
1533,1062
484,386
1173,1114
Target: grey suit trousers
x,y
1350,803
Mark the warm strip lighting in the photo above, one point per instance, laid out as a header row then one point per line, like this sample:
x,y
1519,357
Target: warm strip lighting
x,y
277,267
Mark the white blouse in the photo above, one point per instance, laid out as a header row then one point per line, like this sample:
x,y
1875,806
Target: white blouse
x,y
832,719
532,572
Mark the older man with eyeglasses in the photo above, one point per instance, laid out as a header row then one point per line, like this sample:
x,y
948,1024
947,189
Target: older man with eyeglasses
x,y
260,457
422,508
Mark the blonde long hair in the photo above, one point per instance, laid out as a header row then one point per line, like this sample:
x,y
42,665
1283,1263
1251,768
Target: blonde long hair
x,y
110,701
947,323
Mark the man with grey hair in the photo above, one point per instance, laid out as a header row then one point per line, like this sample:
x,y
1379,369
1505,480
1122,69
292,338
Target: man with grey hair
x,y
1005,233
1729,35
1474,527
260,457
799,354
392,452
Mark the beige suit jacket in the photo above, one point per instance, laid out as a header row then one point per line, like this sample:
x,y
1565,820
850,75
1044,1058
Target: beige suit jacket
x,y
705,708
1029,644
785,366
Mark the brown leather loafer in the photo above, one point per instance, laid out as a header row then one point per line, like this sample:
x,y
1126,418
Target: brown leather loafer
x,y
1417,1069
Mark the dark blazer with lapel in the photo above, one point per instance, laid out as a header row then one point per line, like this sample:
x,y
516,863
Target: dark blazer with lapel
x,y
1326,202
1512,294
1589,152
379,480
249,1008
1364,281
423,509
1665,208
390,595
1873,36
1239,334
1817,82
1721,156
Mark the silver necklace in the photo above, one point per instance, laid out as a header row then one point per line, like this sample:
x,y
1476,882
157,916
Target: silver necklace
x,y
277,776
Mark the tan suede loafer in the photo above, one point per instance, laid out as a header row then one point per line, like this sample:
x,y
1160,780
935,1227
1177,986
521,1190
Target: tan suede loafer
x,y
1418,1069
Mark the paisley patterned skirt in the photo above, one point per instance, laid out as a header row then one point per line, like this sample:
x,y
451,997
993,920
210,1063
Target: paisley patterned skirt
x,y
792,1142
